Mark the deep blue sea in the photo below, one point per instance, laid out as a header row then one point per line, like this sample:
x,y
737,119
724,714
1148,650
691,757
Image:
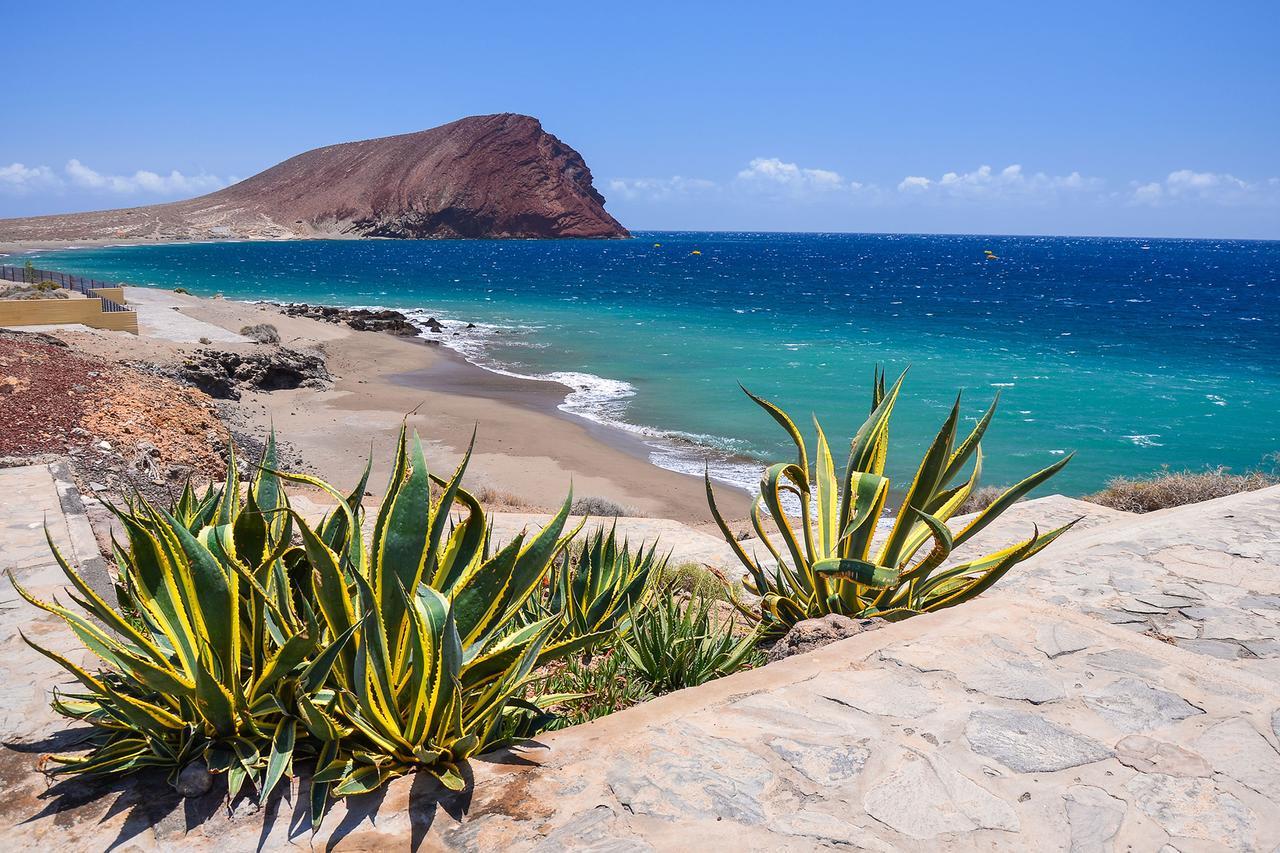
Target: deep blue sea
x,y
1135,353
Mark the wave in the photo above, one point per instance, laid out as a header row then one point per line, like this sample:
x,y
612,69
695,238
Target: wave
x,y
601,400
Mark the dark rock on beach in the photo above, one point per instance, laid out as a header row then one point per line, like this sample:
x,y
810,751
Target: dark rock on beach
x,y
222,374
360,319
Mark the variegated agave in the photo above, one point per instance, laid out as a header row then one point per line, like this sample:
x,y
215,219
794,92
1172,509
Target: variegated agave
x,y
437,652
235,647
208,653
595,589
829,561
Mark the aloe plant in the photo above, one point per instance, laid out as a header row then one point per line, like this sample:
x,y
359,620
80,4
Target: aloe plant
x,y
830,559
679,643
594,588
437,652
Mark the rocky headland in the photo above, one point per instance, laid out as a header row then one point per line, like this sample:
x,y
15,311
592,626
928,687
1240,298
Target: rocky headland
x,y
483,176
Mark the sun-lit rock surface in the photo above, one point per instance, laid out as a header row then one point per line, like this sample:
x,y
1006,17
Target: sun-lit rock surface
x,y
1033,718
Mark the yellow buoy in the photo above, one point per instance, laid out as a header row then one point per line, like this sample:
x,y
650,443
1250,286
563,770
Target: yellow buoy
x,y
657,245
695,252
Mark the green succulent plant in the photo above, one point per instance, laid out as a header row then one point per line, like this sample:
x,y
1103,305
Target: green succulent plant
x,y
207,655
678,642
828,560
594,588
236,646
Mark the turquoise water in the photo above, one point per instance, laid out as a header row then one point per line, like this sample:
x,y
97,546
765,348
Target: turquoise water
x,y
1137,354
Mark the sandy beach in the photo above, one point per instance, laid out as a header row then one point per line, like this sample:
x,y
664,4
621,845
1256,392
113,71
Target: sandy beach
x,y
527,452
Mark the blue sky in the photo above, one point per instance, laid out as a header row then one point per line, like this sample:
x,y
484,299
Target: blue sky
x,y
1141,118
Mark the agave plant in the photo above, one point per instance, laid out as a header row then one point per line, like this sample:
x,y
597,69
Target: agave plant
x,y
206,653
437,653
679,643
235,647
829,560
594,591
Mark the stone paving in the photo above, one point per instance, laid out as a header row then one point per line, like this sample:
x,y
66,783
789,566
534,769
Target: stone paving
x,y
1204,577
159,316
1033,718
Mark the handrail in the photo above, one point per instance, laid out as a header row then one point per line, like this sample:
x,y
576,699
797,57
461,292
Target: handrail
x,y
78,283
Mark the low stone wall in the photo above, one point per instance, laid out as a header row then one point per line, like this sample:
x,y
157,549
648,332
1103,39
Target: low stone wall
x,y
88,312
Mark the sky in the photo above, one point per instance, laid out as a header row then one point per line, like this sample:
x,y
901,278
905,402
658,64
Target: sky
x,y
1135,118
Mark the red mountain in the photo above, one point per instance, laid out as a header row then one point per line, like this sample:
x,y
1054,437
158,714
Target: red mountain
x,y
483,176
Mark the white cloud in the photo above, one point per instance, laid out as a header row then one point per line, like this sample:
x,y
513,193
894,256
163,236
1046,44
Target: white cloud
x,y
1011,182
660,188
1186,185
773,174
17,179
142,181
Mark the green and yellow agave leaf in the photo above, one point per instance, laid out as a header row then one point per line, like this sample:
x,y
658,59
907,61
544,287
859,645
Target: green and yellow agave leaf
x,y
823,561
858,571
280,763
1007,499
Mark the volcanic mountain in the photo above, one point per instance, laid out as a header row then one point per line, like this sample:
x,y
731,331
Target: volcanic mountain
x,y
484,176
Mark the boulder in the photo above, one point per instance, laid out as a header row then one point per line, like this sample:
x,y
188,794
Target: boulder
x,y
222,374
815,633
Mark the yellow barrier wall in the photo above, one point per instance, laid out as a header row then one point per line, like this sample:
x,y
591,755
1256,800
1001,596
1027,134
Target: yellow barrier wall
x,y
87,312
115,294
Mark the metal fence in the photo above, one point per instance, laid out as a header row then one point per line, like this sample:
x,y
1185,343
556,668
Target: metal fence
x,y
78,283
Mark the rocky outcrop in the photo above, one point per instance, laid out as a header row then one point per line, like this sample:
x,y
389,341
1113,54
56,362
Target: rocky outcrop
x,y
222,374
484,176
360,319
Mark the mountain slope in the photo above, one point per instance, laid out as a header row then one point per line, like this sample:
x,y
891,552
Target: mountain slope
x,y
484,176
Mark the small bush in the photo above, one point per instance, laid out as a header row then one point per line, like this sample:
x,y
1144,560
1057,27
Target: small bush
x,y
593,689
679,642
263,333
493,496
1177,488
695,579
980,500
600,507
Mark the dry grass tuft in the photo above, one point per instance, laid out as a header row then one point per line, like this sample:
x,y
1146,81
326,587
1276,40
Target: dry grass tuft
x,y
263,333
492,497
1177,488
980,500
600,507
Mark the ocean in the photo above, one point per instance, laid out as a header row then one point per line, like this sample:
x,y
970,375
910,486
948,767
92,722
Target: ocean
x,y
1136,354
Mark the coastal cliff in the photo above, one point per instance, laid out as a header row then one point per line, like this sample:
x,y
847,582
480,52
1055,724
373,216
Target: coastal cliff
x,y
483,176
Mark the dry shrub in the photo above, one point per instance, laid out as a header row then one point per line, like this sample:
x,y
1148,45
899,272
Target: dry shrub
x,y
600,507
491,496
1177,488
263,333
980,500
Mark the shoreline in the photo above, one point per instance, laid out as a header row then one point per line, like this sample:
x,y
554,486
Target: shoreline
x,y
685,457
528,451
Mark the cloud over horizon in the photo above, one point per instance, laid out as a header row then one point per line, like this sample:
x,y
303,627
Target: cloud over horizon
x,y
19,179
1009,183
1212,187
1012,186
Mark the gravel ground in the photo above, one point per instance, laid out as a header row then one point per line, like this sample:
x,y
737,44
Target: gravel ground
x,y
122,429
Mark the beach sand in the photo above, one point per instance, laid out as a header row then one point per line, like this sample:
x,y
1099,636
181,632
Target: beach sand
x,y
525,447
